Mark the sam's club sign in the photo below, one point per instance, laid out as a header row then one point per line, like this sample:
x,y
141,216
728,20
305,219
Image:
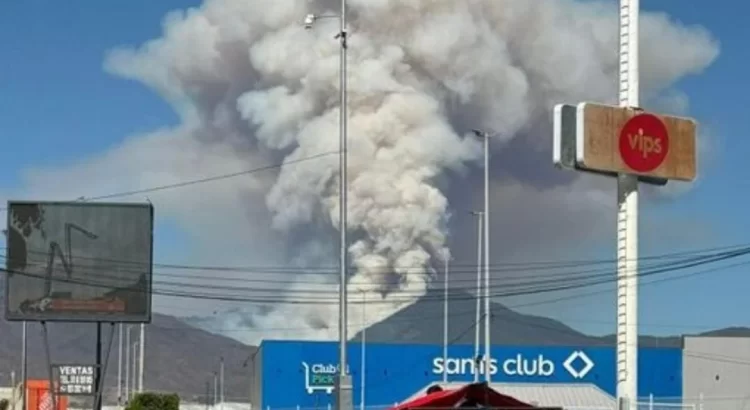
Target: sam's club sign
x,y
395,372
321,377
577,365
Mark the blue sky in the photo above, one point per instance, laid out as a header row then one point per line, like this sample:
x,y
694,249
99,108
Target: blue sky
x,y
58,105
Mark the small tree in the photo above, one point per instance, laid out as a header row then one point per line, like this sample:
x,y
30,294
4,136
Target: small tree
x,y
154,401
4,404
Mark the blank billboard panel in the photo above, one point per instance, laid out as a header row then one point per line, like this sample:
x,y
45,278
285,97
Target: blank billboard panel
x,y
77,261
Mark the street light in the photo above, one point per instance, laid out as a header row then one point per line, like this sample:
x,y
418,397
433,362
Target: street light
x,y
446,283
344,384
486,137
478,317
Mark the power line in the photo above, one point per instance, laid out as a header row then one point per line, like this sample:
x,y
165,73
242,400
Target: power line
x,y
200,180
131,266
535,303
498,267
111,281
566,276
530,289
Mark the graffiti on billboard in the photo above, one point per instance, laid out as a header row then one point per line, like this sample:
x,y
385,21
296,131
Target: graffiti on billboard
x,y
395,372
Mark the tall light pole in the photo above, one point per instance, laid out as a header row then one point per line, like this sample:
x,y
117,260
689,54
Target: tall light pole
x,y
446,258
221,383
344,383
488,318
135,367
141,357
364,353
478,315
127,363
216,390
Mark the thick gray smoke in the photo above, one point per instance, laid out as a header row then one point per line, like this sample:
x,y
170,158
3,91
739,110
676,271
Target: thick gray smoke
x,y
252,87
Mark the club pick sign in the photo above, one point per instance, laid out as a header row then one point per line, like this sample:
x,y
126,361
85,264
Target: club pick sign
x,y
614,140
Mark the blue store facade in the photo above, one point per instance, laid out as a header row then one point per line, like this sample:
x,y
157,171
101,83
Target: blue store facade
x,y
288,374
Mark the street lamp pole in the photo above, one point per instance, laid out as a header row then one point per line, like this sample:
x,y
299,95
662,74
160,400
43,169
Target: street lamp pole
x,y
221,383
478,313
343,382
344,400
488,318
446,284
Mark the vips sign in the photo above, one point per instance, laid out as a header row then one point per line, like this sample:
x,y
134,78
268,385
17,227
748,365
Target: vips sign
x,y
622,140
75,380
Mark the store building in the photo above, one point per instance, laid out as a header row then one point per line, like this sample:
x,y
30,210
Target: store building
x,y
296,374
716,372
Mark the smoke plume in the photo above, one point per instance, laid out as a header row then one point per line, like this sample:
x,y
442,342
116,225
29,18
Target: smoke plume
x,y
252,87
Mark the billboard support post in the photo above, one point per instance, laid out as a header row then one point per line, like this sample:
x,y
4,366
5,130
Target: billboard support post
x,y
634,146
98,369
627,216
24,366
52,389
102,374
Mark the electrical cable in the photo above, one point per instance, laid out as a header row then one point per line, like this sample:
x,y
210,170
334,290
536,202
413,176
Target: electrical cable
x,y
200,180
507,267
472,311
567,277
309,300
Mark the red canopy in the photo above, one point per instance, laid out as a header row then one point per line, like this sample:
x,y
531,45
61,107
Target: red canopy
x,y
479,393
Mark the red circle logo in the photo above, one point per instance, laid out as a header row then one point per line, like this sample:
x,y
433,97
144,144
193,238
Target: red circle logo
x,y
644,143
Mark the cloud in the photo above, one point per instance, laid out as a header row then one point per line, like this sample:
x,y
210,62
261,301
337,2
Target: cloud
x,y
253,88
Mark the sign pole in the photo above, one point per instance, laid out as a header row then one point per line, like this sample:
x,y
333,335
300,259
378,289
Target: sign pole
x,y
24,368
98,369
627,218
625,142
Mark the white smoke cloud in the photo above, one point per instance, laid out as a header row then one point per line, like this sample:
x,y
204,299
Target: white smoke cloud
x,y
253,87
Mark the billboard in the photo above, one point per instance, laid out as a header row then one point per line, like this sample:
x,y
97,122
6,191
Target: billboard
x,y
394,372
81,262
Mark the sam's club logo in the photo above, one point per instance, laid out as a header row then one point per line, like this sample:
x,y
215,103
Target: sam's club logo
x,y
578,364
